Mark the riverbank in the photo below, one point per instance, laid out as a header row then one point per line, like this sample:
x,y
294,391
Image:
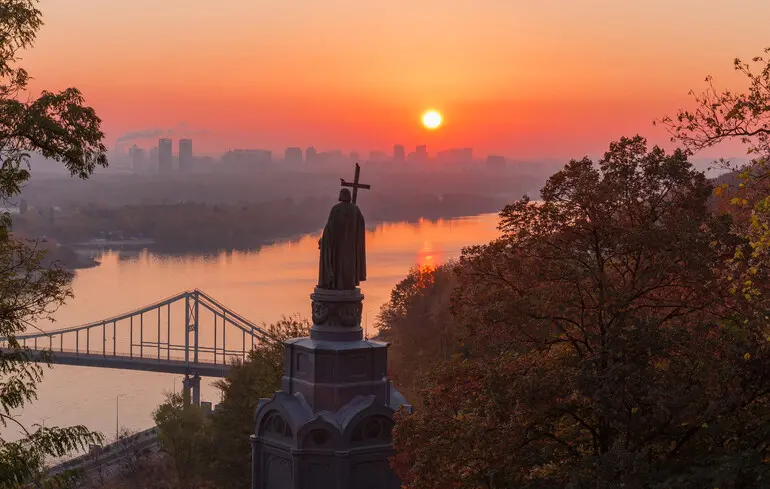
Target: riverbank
x,y
71,258
199,228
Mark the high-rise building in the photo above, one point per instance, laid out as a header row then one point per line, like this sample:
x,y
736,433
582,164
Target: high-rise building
x,y
138,159
152,164
185,155
496,162
355,156
293,155
420,154
310,155
165,161
399,153
246,159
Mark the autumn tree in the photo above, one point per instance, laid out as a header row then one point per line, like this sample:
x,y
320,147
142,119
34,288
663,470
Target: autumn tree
x,y
719,116
247,382
58,126
184,434
418,324
217,450
605,349
724,115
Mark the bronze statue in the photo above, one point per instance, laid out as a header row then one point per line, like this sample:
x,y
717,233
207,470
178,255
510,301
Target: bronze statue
x,y
343,251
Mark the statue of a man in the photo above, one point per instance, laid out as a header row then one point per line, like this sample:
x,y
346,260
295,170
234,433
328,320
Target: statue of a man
x,y
343,253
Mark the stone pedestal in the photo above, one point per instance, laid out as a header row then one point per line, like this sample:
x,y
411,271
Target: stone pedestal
x,y
330,425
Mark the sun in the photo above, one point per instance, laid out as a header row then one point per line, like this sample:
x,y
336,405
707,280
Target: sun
x,y
431,119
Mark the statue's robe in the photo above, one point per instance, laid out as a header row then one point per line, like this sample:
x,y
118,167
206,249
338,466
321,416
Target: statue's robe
x,y
343,252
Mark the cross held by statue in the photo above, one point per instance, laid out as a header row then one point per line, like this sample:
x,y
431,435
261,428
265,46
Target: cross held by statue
x,y
355,185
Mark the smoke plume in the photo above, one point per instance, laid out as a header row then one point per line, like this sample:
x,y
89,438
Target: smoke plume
x,y
181,130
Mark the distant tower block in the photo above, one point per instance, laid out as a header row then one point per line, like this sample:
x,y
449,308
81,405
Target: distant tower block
x,y
152,165
165,164
185,155
310,155
399,153
420,154
496,162
138,159
293,155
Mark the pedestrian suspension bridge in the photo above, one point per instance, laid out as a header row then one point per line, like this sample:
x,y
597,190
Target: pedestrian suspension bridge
x,y
155,338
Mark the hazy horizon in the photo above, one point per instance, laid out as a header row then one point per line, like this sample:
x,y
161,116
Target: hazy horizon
x,y
548,80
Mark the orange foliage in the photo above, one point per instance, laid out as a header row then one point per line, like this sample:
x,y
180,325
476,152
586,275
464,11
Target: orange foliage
x,y
601,344
418,324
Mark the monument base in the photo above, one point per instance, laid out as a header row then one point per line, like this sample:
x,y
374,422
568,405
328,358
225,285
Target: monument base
x,y
330,425
337,314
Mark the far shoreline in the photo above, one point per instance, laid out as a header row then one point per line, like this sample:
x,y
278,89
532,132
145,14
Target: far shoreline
x,y
85,262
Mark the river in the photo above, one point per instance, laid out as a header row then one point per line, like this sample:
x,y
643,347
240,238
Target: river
x,y
262,285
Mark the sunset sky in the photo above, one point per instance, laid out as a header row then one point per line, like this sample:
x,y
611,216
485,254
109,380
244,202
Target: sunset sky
x,y
552,78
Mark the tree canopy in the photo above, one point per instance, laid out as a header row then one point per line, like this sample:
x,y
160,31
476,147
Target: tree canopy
x,y
720,116
417,322
216,452
246,383
58,126
185,435
604,346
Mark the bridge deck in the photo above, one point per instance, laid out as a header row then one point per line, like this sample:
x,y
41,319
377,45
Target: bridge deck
x,y
125,362
151,327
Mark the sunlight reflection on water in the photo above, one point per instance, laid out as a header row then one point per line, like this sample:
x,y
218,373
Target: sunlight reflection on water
x,y
261,285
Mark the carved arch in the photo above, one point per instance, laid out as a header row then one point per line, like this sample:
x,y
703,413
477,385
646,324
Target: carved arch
x,y
293,410
274,425
319,433
369,409
372,430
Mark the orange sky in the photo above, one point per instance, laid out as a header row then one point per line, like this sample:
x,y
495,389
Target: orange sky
x,y
525,79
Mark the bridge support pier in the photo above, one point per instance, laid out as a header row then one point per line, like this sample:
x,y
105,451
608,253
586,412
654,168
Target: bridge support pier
x,y
196,389
192,389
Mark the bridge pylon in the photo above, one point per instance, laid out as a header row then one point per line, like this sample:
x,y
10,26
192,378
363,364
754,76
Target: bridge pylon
x,y
191,386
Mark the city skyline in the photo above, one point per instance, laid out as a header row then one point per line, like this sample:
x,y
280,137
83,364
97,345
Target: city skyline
x,y
398,151
553,79
162,157
146,160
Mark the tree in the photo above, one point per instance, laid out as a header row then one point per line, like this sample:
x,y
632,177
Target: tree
x,y
418,324
246,382
604,348
217,450
119,458
183,432
720,116
60,127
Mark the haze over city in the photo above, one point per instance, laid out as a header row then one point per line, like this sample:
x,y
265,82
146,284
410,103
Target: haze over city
x,y
527,81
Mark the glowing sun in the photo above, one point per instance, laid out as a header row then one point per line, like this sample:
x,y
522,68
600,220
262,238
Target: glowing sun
x,y
431,119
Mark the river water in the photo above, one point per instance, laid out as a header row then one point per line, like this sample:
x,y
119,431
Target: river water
x,y
262,286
